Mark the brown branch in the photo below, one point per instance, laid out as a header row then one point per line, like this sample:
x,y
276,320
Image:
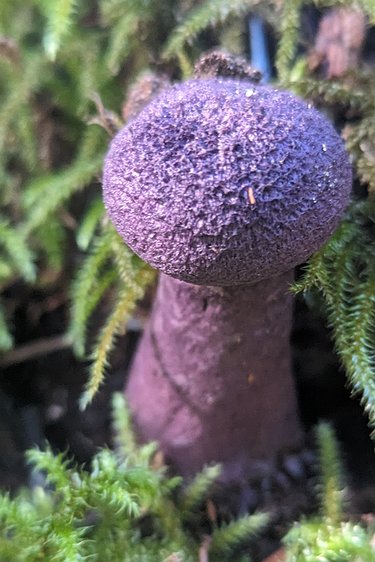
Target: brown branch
x,y
35,349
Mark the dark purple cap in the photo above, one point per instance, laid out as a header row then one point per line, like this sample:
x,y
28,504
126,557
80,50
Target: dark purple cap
x,y
224,182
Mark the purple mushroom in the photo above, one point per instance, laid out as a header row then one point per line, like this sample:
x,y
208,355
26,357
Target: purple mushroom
x,y
224,186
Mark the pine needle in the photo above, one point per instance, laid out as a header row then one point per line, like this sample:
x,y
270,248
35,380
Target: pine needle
x,y
60,15
123,434
86,284
289,30
89,223
228,538
122,40
124,305
198,489
207,14
344,272
20,256
330,489
58,188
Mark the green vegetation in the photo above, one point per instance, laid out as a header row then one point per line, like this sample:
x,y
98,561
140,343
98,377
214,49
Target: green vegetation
x,y
125,508
329,538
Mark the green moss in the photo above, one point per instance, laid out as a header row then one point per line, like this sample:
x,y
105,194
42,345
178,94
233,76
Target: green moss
x,y
123,508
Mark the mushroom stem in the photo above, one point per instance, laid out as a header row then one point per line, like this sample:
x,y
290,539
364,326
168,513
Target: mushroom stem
x,y
211,380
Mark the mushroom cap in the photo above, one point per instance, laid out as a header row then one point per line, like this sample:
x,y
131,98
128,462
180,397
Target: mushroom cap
x,y
224,182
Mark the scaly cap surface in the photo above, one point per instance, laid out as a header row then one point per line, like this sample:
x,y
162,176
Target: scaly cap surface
x,y
224,182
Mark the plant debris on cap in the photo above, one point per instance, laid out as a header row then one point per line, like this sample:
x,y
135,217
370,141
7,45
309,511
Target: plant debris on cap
x,y
223,181
218,63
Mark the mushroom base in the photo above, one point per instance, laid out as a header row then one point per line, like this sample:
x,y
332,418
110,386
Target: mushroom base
x,y
211,380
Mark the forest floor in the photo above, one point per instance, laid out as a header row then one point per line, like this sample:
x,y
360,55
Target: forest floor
x,y
40,389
